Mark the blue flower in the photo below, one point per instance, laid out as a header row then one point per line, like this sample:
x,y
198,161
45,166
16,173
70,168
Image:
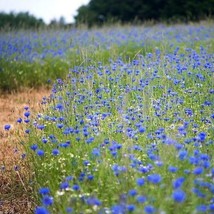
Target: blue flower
x,y
149,209
96,152
27,114
201,208
44,190
55,152
177,183
7,127
19,120
64,185
132,192
198,170
202,136
140,181
179,196
41,210
130,207
117,209
141,199
76,187
69,210
47,200
40,152
172,169
154,178
34,147
141,129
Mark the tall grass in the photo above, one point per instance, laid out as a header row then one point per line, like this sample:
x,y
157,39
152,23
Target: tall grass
x,y
34,59
130,129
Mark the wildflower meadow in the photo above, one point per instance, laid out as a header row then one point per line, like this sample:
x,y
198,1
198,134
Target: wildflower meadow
x,y
129,124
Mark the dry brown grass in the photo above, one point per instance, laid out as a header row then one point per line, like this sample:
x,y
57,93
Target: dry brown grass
x,y
14,188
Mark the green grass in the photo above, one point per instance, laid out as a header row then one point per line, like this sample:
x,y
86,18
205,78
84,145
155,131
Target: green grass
x,y
122,113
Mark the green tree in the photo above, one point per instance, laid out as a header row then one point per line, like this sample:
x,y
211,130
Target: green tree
x,y
99,11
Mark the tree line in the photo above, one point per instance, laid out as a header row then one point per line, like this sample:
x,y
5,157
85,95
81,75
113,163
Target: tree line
x,y
97,12
24,20
19,20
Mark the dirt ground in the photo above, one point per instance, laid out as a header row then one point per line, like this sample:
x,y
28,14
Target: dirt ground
x,y
14,192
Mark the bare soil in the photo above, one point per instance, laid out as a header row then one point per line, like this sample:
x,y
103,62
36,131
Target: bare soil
x,y
14,171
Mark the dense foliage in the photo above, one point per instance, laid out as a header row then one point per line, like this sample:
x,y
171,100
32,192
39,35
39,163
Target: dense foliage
x,y
32,59
131,127
19,20
98,11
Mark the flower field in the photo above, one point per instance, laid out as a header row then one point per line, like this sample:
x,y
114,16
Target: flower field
x,y
129,125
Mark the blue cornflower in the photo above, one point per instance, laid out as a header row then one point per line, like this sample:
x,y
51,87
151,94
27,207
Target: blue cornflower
x,y
41,210
149,209
141,199
27,131
140,181
19,120
132,192
47,200
90,140
7,127
96,152
179,196
172,169
117,209
201,208
154,178
177,183
141,129
59,107
44,191
27,114
41,127
198,170
130,207
40,152
76,187
59,125
55,152
34,147
211,207
202,136
64,185
182,154
90,177
69,210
